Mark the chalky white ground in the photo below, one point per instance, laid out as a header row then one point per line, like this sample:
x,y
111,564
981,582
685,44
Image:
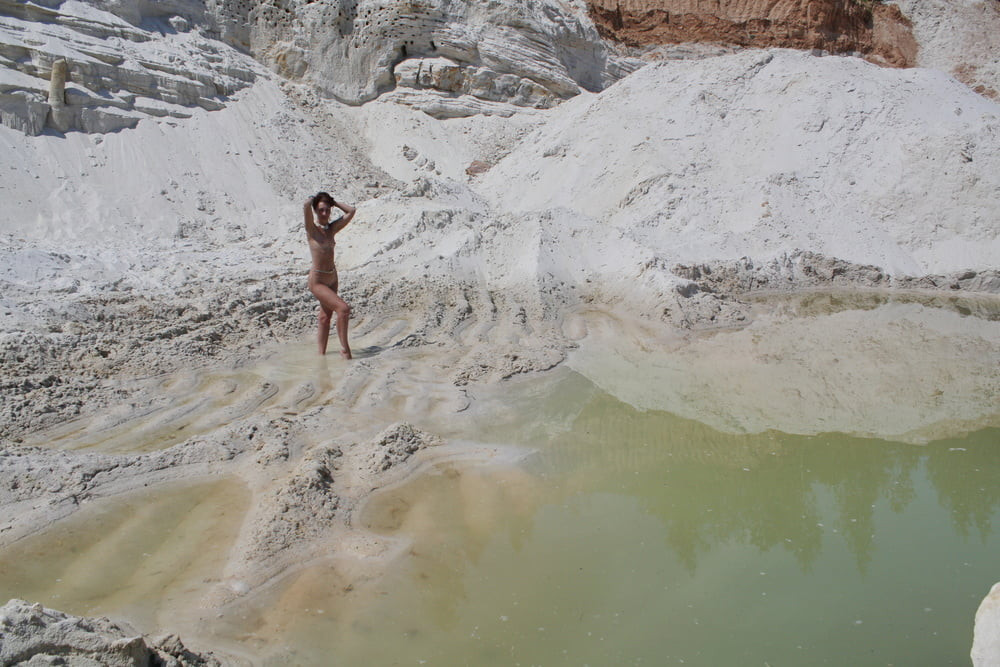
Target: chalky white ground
x,y
138,250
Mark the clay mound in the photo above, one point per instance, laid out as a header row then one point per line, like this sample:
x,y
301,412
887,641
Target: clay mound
x,y
881,32
396,444
37,635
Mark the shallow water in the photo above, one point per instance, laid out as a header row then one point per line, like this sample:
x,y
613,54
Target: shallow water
x,y
638,537
141,556
188,404
731,528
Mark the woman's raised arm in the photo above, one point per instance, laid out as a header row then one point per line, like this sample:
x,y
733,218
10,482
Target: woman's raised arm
x,y
307,212
346,218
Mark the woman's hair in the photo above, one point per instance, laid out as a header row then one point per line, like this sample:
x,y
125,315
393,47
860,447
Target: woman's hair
x,y
323,197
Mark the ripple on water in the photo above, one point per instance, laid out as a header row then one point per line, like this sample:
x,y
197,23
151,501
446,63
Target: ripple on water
x,y
149,556
184,405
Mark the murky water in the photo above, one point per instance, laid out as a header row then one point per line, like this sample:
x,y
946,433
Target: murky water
x,y
722,523
638,537
144,556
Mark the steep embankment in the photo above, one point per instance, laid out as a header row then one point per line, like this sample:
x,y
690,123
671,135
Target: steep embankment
x,y
81,66
960,37
877,30
103,66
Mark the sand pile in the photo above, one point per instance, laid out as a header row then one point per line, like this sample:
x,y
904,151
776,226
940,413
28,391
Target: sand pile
x,y
35,635
750,155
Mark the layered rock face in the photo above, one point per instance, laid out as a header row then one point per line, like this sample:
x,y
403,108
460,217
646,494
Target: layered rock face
x,y
125,60
447,57
76,66
132,59
879,31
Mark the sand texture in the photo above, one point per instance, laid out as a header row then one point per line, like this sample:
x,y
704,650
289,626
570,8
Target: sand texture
x,y
36,635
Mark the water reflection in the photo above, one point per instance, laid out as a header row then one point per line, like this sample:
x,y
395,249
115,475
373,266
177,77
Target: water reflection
x,y
627,536
872,365
762,489
659,531
964,474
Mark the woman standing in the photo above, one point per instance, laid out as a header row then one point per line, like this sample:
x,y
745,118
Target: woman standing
x,y
321,230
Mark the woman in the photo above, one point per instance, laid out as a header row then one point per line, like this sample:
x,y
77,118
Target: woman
x,y
321,230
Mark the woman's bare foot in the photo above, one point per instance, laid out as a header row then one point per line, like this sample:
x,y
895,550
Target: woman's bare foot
x,y
346,354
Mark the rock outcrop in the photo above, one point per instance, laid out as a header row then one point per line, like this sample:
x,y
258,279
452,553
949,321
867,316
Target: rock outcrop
x,y
36,635
130,59
986,644
449,58
125,61
96,68
879,31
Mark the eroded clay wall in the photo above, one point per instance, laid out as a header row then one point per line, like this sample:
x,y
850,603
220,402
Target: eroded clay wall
x,y
879,31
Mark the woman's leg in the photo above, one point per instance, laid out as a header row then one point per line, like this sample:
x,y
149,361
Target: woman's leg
x,y
325,316
330,304
343,317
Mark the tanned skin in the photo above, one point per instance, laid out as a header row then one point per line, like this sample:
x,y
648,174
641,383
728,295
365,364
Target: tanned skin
x,y
323,276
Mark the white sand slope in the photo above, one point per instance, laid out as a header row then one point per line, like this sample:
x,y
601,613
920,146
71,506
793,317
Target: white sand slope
x,y
763,152
754,154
